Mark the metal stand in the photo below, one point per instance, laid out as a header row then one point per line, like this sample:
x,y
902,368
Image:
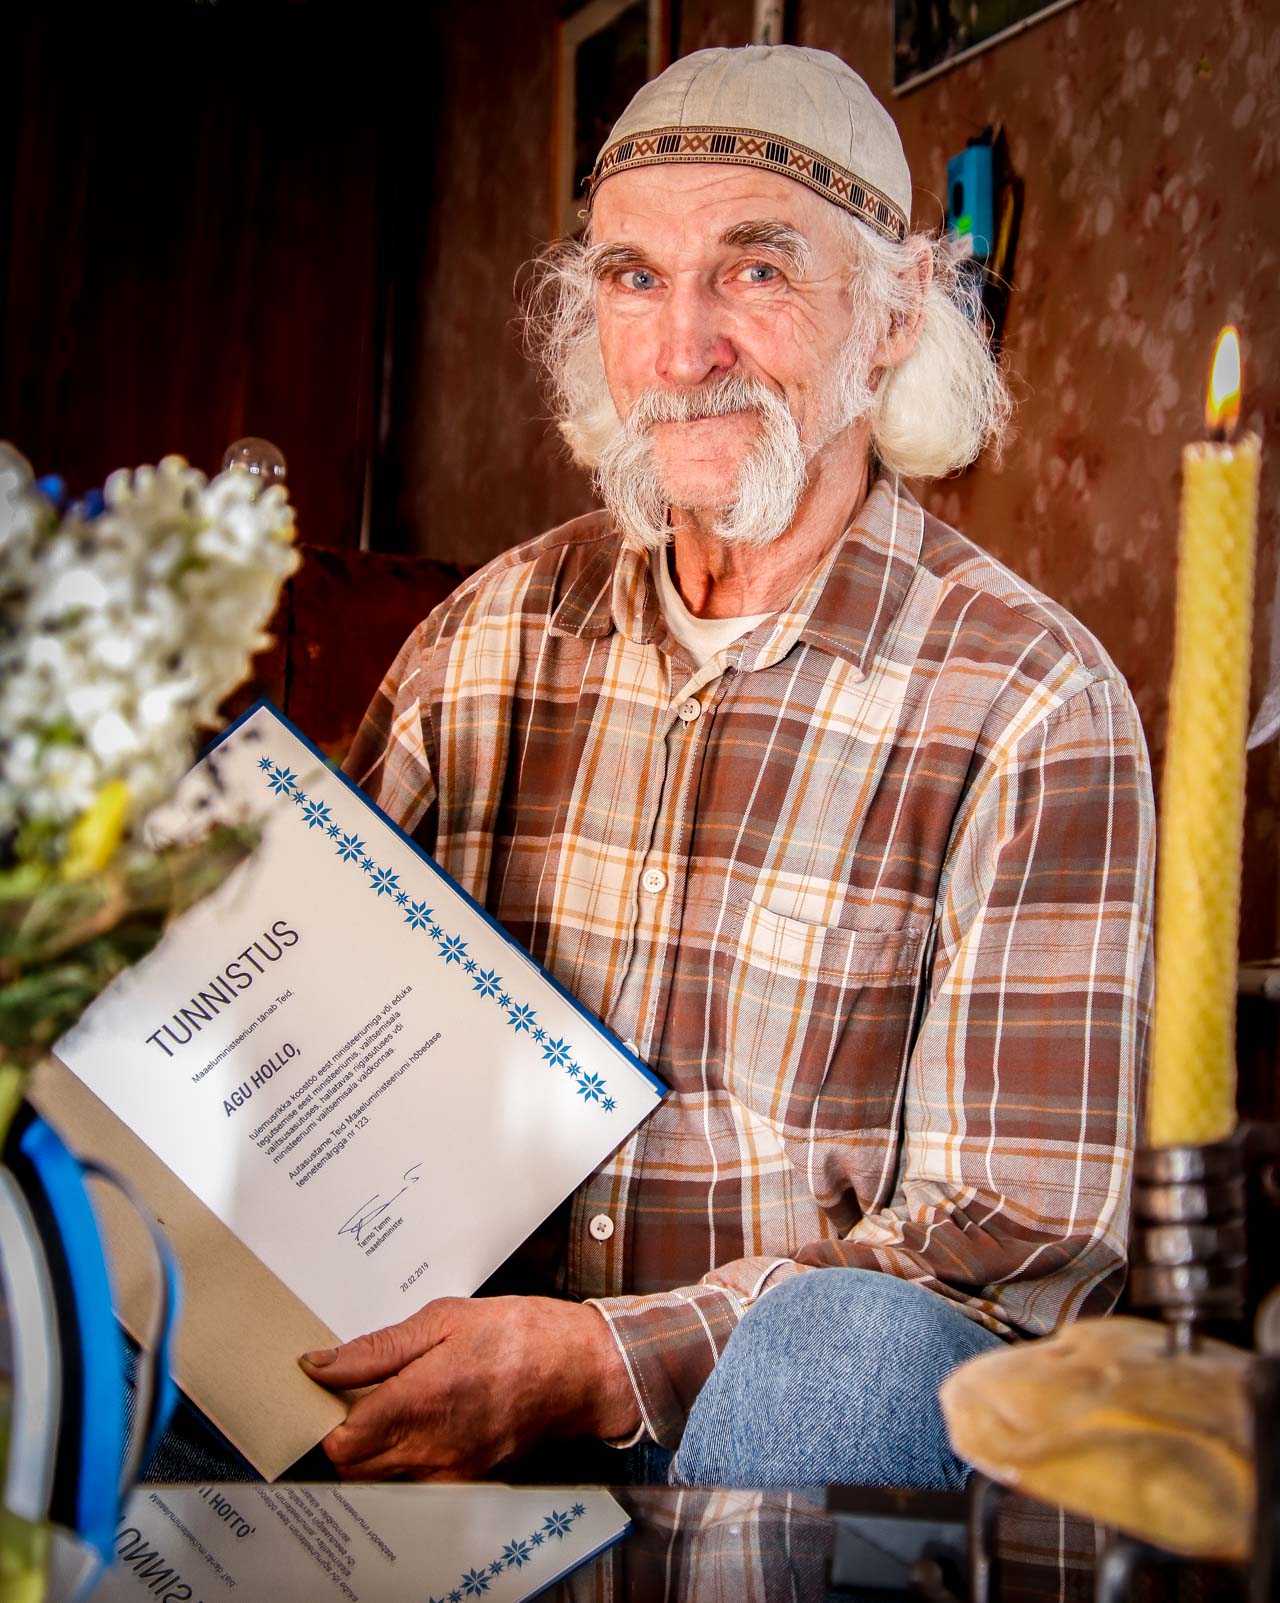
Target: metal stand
x,y
1120,1560
1265,1587
985,1498
1191,1264
1191,1260
1190,1254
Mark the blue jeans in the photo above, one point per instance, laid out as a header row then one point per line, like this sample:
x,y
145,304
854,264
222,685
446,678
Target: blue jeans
x,y
191,1449
832,1379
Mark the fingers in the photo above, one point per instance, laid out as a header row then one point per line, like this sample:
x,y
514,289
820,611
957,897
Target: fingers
x,y
362,1458
458,1387
383,1467
391,1466
377,1355
394,1430
376,1427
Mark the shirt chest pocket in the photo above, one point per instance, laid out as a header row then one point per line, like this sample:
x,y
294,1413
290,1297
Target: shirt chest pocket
x,y
816,1020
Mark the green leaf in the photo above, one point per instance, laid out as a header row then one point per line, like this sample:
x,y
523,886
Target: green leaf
x,y
61,942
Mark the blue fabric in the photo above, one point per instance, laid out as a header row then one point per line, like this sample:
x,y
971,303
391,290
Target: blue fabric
x,y
191,1449
832,1379
101,1447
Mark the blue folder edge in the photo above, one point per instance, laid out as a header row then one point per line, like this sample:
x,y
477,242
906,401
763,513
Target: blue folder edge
x,y
265,703
579,1563
86,1493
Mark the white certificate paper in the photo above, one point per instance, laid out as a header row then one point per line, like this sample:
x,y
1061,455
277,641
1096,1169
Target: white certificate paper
x,y
349,1063
364,1544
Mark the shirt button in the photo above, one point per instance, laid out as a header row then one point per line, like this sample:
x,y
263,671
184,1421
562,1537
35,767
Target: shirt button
x,y
601,1227
653,880
687,711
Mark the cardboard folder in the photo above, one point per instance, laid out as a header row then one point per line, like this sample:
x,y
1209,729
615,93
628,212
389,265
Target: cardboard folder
x,y
241,1329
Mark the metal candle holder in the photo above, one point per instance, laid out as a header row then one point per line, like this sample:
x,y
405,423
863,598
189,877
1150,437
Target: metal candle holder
x,y
1191,1264
1190,1254
1191,1267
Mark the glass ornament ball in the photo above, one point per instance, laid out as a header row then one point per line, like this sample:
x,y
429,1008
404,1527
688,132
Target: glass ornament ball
x,y
258,457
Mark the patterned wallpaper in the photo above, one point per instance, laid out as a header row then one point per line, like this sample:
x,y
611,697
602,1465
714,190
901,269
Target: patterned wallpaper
x,y
1148,136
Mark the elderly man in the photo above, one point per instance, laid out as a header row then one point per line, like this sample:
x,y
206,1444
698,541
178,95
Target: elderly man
x,y
845,828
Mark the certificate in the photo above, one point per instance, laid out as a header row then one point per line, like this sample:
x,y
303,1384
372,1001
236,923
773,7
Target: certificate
x,y
355,1070
364,1544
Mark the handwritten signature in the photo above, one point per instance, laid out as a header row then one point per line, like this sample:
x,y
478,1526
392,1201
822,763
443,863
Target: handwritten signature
x,y
362,1219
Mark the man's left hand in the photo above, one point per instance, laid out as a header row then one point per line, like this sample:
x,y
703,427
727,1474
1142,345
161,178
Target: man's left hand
x,y
467,1383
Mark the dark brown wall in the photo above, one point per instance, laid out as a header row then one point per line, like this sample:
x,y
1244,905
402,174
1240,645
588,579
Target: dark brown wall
x,y
474,464
199,213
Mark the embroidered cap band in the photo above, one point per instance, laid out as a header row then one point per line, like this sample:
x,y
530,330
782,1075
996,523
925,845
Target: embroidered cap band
x,y
753,148
801,113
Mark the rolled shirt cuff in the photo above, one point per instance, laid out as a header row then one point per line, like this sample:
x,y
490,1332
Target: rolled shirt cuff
x,y
670,1342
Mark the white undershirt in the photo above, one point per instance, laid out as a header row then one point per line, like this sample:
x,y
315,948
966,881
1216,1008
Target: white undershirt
x,y
700,637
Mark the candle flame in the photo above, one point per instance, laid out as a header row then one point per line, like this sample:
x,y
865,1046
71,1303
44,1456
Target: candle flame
x,y
1222,409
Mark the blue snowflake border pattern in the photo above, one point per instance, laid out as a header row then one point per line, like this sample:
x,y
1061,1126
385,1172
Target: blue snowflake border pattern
x,y
516,1553
451,949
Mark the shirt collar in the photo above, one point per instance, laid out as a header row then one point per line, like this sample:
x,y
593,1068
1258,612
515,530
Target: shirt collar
x,y
853,598
614,590
844,607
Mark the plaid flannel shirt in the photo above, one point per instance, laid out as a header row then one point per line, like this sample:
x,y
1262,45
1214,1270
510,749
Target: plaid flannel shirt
x,y
871,891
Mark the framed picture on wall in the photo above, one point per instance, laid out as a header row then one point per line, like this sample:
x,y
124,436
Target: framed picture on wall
x,y
931,35
606,50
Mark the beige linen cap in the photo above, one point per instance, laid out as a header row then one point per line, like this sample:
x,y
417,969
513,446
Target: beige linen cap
x,y
801,113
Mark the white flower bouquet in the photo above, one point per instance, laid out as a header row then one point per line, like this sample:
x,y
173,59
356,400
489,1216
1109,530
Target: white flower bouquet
x,y
125,620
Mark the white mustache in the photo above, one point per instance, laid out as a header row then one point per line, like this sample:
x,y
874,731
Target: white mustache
x,y
771,475
728,398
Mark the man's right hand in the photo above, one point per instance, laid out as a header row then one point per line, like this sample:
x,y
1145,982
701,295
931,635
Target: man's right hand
x,y
468,1383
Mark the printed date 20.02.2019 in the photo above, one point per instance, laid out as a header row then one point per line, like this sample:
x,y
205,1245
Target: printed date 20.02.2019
x,y
416,1275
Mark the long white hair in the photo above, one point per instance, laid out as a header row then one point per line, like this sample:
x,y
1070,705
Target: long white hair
x,y
930,416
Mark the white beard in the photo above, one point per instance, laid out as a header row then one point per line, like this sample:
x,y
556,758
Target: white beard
x,y
771,477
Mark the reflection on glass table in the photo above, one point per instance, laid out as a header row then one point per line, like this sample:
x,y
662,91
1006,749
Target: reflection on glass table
x,y
428,1544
